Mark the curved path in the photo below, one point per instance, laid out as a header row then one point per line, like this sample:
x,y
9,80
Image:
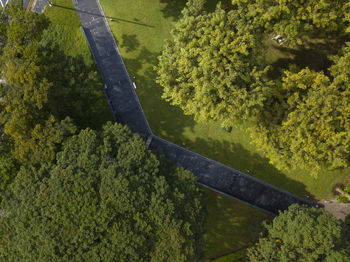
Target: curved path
x,y
126,109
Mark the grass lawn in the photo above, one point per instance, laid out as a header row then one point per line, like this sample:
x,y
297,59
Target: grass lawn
x,y
234,257
230,224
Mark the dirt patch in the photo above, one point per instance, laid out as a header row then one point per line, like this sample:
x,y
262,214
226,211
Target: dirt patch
x,y
339,210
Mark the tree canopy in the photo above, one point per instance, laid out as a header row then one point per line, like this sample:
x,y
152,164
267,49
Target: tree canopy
x,y
295,20
211,67
215,68
107,198
303,234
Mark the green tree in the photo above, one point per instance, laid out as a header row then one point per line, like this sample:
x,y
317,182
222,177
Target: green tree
x,y
294,20
307,125
213,67
107,198
303,234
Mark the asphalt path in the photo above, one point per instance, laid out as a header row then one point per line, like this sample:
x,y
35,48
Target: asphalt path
x,y
119,89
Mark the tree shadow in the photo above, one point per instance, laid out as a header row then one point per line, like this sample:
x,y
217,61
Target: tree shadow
x,y
130,42
230,225
76,89
314,54
173,8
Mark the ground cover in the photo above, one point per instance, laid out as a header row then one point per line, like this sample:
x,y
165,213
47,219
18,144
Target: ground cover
x,y
230,224
234,257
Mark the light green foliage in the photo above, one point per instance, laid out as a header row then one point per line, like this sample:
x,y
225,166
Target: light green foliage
x,y
303,234
107,198
211,67
308,123
295,20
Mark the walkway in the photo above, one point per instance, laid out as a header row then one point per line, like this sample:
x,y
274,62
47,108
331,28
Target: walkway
x,y
127,110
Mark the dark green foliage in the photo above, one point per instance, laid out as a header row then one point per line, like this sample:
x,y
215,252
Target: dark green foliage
x,y
303,234
106,199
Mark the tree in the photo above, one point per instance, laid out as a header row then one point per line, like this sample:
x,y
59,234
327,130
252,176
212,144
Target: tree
x,y
107,198
294,20
307,125
213,68
303,234
25,117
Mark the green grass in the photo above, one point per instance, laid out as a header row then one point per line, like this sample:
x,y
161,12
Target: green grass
x,y
234,257
230,224
65,31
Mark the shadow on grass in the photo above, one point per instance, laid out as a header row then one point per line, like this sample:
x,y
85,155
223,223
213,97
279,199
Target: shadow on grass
x,y
231,225
173,8
76,89
130,42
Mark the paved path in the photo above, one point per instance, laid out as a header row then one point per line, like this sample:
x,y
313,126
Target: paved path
x,y
126,109
39,6
119,90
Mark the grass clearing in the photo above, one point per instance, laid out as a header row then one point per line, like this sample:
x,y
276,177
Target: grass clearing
x,y
234,257
230,224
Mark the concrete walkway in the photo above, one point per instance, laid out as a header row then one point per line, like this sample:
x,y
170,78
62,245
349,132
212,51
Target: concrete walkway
x,y
127,110
39,6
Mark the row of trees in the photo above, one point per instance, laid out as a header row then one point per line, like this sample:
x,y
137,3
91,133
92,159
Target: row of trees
x,y
70,195
215,68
